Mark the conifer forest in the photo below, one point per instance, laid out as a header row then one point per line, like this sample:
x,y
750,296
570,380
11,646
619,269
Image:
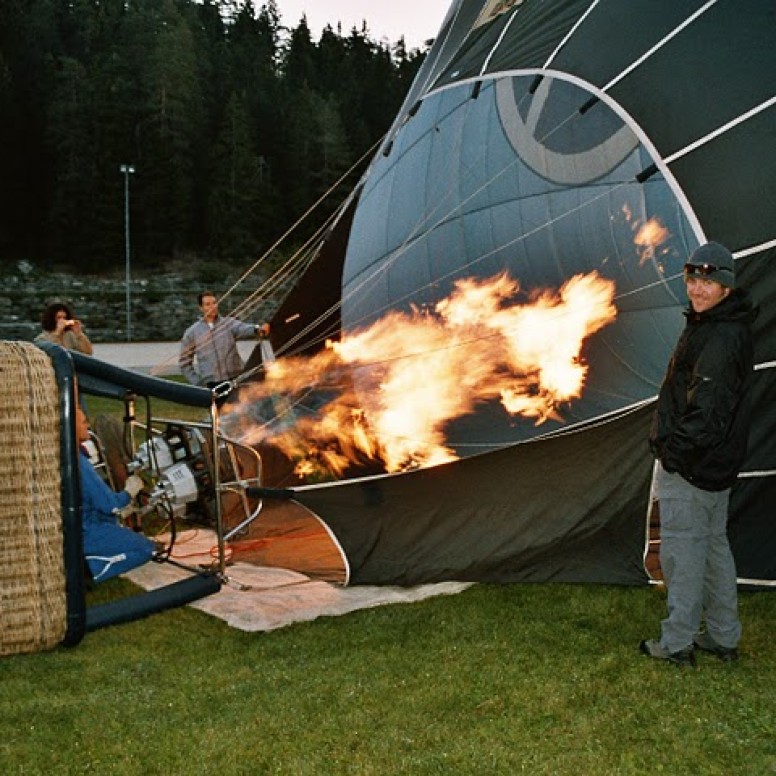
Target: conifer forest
x,y
218,122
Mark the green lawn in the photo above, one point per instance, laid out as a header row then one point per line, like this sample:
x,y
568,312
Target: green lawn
x,y
160,408
516,679
539,679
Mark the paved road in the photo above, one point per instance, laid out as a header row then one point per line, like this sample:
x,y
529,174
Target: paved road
x,y
156,358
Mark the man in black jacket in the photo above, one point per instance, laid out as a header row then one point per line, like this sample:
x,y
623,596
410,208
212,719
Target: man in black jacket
x,y
699,437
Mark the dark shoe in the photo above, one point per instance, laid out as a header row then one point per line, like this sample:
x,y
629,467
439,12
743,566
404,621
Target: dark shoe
x,y
705,643
684,657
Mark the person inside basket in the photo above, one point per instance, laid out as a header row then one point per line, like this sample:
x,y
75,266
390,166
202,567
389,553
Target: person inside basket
x,y
109,547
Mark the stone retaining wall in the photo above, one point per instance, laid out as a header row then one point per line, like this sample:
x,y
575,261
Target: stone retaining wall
x,y
162,304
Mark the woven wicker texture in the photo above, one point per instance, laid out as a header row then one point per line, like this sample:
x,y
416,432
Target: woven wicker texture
x,y
33,606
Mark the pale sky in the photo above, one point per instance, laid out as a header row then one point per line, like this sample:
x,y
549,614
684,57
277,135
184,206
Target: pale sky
x,y
416,20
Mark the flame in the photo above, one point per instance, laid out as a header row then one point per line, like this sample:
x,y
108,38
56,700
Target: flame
x,y
649,236
413,372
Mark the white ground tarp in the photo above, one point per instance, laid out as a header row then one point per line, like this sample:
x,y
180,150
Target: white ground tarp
x,y
258,598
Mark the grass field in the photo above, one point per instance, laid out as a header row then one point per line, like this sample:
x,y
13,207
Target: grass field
x,y
513,679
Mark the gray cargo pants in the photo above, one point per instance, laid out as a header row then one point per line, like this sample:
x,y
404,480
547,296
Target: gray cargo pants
x,y
698,566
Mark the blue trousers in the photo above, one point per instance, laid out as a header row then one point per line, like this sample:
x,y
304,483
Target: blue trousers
x,y
111,549
698,566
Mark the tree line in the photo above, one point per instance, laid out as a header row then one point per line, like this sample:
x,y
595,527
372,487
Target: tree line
x,y
233,126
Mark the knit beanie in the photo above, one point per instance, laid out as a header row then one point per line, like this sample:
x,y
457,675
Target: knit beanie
x,y
715,262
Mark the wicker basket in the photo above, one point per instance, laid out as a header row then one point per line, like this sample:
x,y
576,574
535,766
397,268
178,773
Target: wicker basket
x,y
33,606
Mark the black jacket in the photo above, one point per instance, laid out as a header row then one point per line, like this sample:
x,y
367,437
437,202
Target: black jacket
x,y
701,424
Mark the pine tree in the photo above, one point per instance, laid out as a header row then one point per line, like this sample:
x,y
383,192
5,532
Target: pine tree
x,y
241,198
234,123
167,135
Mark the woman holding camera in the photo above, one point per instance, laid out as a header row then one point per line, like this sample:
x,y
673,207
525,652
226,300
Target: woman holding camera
x,y
61,327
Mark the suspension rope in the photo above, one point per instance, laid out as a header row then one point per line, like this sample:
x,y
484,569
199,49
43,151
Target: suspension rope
x,y
303,217
301,258
428,221
423,222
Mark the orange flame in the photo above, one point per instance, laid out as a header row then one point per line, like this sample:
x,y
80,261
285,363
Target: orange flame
x,y
414,372
649,236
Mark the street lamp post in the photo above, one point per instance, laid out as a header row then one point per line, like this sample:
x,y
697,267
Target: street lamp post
x,y
127,170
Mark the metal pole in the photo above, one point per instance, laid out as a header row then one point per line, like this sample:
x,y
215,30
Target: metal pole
x,y
127,169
